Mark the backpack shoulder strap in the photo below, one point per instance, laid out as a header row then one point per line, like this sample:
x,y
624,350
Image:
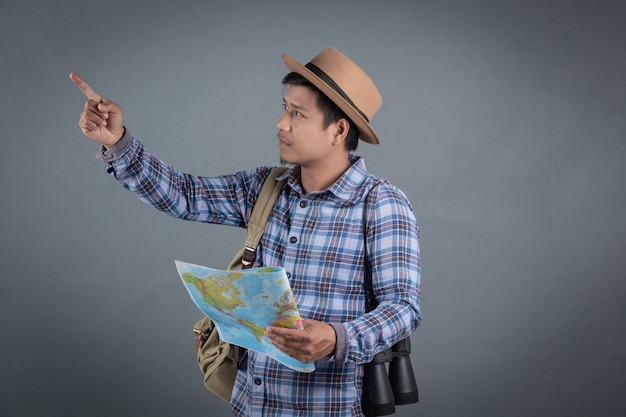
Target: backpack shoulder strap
x,y
370,298
258,218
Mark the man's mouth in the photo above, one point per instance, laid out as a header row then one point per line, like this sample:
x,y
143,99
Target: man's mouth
x,y
281,141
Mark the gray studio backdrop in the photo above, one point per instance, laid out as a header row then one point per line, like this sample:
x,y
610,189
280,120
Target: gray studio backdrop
x,y
503,121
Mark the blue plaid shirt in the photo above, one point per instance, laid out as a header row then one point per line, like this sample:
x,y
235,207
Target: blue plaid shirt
x,y
318,239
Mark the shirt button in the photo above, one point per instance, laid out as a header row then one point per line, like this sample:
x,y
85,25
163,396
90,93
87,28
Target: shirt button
x,y
288,274
293,239
257,381
303,204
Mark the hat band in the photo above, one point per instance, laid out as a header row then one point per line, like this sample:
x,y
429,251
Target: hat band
x,y
321,74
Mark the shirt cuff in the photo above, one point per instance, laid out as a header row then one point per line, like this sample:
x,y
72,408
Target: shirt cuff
x,y
342,342
117,150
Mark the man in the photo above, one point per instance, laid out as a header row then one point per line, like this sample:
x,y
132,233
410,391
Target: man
x,y
315,232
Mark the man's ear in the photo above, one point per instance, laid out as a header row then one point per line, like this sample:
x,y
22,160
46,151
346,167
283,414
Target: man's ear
x,y
341,131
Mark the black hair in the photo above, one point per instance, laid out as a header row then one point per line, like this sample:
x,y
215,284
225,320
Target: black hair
x,y
329,109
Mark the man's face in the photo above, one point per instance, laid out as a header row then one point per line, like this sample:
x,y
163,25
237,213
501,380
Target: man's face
x,y
302,138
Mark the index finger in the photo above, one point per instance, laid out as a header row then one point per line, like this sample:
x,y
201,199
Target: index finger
x,y
84,87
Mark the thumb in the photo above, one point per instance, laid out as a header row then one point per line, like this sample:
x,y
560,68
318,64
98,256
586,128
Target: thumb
x,y
107,106
308,322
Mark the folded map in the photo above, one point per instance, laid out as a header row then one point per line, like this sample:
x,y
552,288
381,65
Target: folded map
x,y
243,303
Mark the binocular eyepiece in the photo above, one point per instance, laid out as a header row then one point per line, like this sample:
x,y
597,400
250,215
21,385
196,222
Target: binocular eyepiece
x,y
382,391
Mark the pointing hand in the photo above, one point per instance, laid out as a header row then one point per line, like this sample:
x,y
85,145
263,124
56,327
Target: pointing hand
x,y
101,120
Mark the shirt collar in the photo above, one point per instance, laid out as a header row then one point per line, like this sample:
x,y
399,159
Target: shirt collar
x,y
347,187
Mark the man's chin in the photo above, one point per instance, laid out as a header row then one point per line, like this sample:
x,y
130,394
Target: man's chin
x,y
285,161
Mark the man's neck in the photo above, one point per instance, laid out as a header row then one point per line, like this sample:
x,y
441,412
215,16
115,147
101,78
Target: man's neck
x,y
323,175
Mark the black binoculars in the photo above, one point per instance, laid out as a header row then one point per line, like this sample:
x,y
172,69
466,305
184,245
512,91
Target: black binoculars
x,y
382,391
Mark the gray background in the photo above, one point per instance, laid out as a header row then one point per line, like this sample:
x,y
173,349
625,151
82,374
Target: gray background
x,y
503,121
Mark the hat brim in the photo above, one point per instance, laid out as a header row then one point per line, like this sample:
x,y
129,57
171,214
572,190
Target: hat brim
x,y
367,134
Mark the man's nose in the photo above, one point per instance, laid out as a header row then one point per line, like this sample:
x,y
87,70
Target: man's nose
x,y
283,123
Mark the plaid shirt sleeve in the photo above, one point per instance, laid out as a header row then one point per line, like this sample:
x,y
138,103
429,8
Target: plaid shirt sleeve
x,y
392,238
223,200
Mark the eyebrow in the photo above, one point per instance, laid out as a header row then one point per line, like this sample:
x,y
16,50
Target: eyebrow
x,y
295,106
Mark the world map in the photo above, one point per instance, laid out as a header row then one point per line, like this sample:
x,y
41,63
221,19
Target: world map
x,y
244,303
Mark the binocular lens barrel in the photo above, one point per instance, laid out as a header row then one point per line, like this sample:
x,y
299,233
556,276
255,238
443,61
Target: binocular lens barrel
x,y
402,381
378,396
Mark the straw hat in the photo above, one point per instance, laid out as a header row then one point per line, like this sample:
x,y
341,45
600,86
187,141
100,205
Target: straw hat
x,y
346,84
